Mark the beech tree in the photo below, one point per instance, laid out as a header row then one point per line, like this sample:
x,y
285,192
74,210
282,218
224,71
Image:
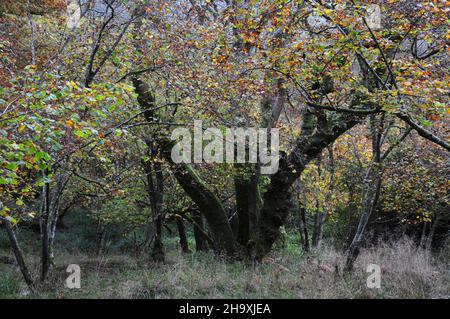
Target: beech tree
x,y
96,104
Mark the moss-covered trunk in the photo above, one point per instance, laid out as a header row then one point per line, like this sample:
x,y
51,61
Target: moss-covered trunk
x,y
191,182
277,199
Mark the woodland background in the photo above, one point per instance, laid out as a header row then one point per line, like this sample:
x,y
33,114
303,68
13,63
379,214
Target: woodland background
x,y
358,89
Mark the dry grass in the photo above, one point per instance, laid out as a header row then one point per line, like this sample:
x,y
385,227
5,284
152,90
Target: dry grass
x,y
409,272
406,273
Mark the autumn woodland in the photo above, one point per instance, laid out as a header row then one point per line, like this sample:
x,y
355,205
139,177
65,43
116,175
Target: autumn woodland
x,y
109,188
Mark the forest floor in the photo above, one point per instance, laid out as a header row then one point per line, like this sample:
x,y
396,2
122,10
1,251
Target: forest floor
x,y
406,272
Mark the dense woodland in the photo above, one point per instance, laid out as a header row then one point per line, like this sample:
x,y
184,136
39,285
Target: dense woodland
x,y
91,90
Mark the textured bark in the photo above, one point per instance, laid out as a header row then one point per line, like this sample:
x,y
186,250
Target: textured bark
x,y
207,202
155,189
153,171
277,198
248,203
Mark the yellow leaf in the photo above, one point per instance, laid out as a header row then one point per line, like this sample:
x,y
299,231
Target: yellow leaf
x,y
69,122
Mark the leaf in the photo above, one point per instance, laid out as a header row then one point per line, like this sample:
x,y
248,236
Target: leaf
x,y
21,128
426,122
12,166
81,134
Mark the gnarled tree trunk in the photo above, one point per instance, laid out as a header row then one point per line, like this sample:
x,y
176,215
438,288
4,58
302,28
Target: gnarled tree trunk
x,y
207,202
277,198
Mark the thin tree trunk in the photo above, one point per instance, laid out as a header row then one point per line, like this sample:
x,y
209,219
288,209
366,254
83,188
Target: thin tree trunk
x,y
430,236
372,188
182,232
19,255
319,220
32,29
155,186
44,233
321,216
49,220
101,237
200,242
423,237
158,247
304,229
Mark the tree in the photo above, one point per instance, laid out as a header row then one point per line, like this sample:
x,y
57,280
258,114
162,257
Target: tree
x,y
80,106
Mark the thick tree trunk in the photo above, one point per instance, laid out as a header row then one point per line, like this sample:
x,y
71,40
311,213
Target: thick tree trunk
x,y
243,212
248,203
207,202
277,197
153,171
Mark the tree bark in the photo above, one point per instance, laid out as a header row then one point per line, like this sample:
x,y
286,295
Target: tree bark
x,y
248,202
207,202
318,228
200,241
277,197
304,229
182,233
49,219
19,255
372,188
155,189
321,216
